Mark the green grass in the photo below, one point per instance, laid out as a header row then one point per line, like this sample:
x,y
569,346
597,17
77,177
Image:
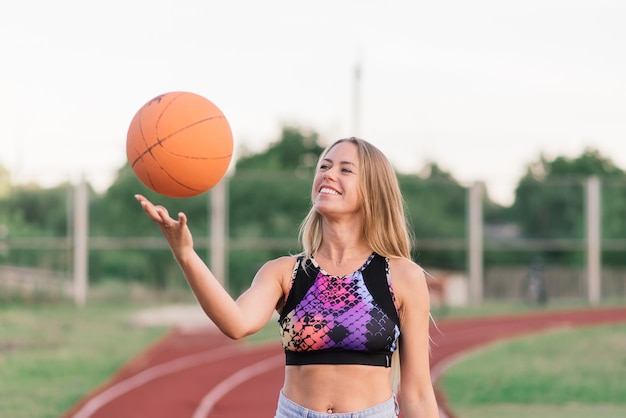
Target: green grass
x,y
567,373
572,410
53,355
508,307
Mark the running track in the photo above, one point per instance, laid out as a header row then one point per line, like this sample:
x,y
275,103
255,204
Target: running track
x,y
199,373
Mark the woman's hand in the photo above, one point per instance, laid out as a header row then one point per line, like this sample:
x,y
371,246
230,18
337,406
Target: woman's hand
x,y
176,232
236,319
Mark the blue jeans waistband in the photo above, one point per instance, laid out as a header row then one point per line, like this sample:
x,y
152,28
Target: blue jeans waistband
x,y
289,409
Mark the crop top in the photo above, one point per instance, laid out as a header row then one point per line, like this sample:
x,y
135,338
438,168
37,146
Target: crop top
x,y
350,319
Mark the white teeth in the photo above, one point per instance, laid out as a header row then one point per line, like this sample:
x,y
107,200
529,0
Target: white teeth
x,y
327,190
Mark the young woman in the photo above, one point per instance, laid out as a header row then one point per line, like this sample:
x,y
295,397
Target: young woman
x,y
353,307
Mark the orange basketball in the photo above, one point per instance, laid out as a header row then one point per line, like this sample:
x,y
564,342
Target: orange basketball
x,y
179,144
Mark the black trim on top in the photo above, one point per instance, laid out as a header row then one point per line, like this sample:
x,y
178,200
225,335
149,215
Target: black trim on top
x,y
367,358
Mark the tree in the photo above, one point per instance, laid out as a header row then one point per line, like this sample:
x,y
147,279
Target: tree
x,y
36,213
435,206
269,195
295,151
117,214
5,182
43,211
549,199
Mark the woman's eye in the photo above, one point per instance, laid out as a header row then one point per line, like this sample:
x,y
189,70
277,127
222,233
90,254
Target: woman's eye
x,y
324,167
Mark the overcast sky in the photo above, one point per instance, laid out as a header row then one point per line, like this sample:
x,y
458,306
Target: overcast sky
x,y
481,87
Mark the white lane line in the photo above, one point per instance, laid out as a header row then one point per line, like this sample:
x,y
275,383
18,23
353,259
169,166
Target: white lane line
x,y
227,385
153,373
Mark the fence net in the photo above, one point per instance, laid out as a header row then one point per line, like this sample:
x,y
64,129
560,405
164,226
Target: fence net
x,y
542,239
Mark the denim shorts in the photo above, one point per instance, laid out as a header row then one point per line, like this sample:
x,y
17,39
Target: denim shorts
x,y
289,409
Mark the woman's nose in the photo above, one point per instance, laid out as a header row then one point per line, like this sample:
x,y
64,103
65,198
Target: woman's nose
x,y
328,174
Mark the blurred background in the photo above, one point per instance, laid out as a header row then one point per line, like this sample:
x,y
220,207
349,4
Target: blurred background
x,y
504,120
521,103
564,231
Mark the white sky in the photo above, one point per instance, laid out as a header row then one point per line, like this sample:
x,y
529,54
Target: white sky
x,y
481,87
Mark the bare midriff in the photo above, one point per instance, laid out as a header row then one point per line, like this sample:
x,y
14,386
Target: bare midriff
x,y
337,388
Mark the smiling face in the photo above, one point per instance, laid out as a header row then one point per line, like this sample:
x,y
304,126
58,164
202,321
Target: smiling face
x,y
356,182
335,186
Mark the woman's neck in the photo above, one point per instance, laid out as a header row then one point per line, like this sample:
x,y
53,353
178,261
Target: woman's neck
x,y
339,259
342,242
341,252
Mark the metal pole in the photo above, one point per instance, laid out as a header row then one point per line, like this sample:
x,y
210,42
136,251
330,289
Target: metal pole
x,y
81,250
356,100
475,242
593,240
218,236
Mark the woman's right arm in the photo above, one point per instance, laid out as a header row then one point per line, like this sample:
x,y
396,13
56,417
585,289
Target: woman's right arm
x,y
235,318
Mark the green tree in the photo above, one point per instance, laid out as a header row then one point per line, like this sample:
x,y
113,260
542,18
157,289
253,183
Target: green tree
x,y
34,212
270,191
117,214
269,195
435,205
550,197
44,212
296,151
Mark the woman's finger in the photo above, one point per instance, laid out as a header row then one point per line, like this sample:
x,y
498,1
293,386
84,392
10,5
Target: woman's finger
x,y
157,213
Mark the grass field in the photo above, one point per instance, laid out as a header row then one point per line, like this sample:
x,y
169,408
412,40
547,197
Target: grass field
x,y
571,373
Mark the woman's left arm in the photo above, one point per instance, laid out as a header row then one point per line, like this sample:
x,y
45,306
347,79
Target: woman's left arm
x,y
416,388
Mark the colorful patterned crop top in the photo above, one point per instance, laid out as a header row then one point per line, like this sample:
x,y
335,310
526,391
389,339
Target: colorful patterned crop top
x,y
351,319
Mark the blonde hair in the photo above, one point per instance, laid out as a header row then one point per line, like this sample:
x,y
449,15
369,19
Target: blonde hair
x,y
385,226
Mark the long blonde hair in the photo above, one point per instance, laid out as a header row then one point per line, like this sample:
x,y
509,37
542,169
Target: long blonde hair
x,y
385,226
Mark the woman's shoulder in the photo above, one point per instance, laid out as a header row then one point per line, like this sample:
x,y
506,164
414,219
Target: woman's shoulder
x,y
281,269
282,263
407,277
404,267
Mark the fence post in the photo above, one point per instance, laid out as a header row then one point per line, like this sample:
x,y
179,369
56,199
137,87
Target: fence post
x,y
80,244
218,236
475,242
593,221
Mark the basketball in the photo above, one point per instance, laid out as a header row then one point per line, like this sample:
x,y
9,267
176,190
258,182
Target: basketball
x,y
179,144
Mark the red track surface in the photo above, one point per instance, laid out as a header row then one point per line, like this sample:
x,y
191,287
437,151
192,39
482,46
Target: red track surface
x,y
203,374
